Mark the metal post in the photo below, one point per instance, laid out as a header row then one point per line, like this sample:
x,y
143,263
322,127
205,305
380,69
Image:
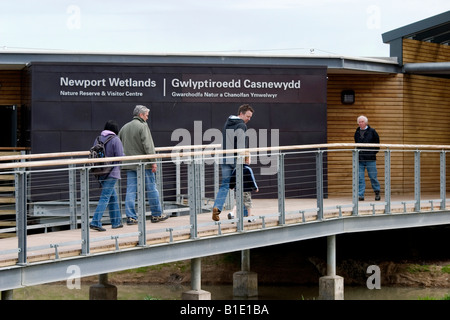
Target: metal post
x,y
443,179
281,190
160,182
140,188
417,180
387,180
21,213
73,196
319,184
355,180
239,193
194,195
84,195
331,255
178,179
217,160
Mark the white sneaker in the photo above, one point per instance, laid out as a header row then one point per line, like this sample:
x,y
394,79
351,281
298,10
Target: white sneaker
x,y
230,216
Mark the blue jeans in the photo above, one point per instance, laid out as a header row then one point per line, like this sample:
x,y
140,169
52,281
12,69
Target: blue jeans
x,y
227,170
108,199
372,172
152,194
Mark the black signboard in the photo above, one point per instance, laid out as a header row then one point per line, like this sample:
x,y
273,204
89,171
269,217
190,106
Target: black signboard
x,y
70,102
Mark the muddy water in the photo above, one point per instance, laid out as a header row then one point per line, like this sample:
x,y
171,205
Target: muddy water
x,y
225,292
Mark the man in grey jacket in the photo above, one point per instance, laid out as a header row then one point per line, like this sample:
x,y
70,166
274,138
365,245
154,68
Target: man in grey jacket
x,y
137,140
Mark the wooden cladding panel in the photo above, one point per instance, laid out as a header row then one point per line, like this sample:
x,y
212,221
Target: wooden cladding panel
x,y
10,87
420,51
426,110
408,109
380,99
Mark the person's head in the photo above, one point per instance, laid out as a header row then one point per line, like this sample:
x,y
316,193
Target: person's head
x,y
112,125
245,112
362,121
141,112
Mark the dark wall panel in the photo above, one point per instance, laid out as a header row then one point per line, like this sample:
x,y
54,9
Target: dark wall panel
x,y
70,103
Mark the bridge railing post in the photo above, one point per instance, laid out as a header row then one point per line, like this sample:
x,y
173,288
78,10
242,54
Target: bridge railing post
x,y
355,180
159,176
387,180
194,194
21,213
140,189
319,184
239,193
442,179
72,196
281,190
84,206
417,180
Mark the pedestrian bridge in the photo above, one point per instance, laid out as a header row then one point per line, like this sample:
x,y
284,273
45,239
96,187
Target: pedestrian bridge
x,y
55,197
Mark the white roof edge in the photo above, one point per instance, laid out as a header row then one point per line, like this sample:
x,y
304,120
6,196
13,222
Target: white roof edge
x,y
386,60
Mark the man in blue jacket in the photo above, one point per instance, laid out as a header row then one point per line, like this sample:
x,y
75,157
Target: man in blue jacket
x,y
367,157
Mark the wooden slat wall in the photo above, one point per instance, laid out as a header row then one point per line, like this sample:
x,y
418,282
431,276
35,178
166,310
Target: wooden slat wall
x,y
419,51
380,99
10,87
404,109
426,121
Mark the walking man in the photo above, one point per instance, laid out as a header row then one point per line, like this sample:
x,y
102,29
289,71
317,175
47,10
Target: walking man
x,y
234,137
137,140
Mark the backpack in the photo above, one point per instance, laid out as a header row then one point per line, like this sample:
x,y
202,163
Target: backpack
x,y
99,151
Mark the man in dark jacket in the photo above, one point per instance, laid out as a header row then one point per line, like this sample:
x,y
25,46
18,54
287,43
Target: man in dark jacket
x,y
367,157
234,137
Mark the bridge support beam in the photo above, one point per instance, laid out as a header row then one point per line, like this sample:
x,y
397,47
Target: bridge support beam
x,y
196,293
245,282
331,286
103,290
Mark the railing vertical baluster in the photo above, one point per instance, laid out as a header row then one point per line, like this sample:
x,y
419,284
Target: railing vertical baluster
x,y
355,180
239,193
160,182
387,181
178,179
21,213
443,180
281,190
319,184
202,177
140,180
84,199
417,180
194,195
216,172
72,197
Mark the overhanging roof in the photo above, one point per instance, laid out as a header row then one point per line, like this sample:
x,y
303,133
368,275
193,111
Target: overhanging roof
x,y
435,29
336,64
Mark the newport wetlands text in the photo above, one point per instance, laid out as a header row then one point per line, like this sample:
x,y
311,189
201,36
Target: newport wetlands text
x,y
114,82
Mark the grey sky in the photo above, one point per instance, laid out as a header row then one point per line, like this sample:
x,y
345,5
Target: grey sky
x,y
343,27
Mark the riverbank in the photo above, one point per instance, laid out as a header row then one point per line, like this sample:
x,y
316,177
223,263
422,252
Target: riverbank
x,y
409,258
218,270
